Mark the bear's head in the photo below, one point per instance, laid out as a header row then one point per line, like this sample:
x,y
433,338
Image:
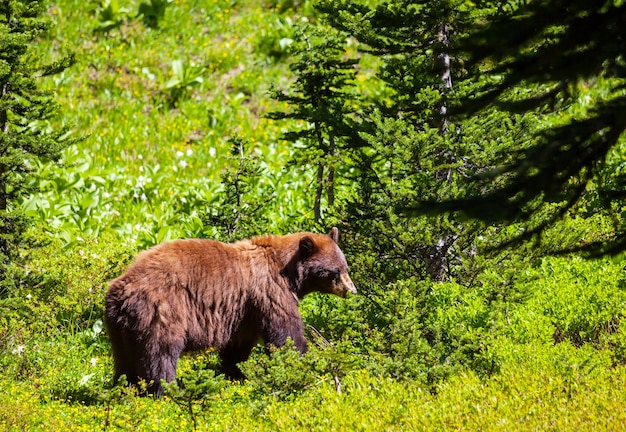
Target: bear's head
x,y
322,267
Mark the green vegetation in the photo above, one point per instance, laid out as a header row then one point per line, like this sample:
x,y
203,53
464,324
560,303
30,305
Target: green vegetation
x,y
226,119
537,58
25,113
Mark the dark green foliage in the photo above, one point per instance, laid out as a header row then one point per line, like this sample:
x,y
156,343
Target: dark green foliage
x,y
400,147
413,330
284,372
549,56
406,149
281,374
26,131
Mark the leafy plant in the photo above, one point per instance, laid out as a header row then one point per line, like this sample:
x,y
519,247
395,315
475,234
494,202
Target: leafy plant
x,y
152,11
184,77
195,390
110,16
277,39
284,374
572,303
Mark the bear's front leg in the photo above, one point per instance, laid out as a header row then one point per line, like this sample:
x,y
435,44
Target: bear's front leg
x,y
277,331
231,355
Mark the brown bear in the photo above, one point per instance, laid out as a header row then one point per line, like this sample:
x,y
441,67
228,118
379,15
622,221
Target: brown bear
x,y
193,294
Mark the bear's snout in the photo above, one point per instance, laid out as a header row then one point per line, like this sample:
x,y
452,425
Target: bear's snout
x,y
345,285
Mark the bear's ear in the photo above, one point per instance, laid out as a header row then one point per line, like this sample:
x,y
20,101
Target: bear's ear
x,y
334,234
307,246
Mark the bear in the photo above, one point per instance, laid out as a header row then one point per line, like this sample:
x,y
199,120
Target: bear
x,y
194,294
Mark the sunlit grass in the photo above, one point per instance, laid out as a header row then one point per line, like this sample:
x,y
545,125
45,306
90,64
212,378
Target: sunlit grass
x,y
157,108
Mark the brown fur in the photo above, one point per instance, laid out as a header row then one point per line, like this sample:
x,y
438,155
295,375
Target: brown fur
x,y
193,294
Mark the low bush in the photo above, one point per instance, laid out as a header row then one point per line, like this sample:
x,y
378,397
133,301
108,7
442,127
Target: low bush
x,y
574,300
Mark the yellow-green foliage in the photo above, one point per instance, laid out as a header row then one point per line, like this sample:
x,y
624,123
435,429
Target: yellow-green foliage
x,y
521,398
57,376
158,106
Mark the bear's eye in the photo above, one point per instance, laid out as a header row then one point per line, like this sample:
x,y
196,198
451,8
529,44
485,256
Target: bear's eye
x,y
329,274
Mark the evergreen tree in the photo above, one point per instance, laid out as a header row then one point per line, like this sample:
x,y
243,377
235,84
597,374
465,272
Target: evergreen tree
x,y
25,113
401,147
406,148
320,96
565,60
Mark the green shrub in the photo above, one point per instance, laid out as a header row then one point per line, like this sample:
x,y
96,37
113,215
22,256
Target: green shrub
x,y
574,300
60,293
412,330
284,374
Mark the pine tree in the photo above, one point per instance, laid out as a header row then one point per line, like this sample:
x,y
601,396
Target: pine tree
x,y
320,96
25,113
402,147
564,60
410,149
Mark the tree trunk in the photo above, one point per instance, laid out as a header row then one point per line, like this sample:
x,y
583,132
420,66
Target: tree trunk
x,y
445,65
4,127
3,189
330,178
317,207
438,260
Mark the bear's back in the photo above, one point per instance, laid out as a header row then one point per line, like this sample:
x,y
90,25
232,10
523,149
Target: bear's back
x,y
187,261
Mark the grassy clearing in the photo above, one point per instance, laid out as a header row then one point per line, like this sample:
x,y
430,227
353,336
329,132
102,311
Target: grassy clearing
x,y
57,365
158,108
522,397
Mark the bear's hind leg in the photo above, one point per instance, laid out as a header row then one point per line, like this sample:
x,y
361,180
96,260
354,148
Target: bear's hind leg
x,y
123,356
128,361
159,362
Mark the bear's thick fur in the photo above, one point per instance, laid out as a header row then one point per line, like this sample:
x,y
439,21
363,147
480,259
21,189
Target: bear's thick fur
x,y
193,294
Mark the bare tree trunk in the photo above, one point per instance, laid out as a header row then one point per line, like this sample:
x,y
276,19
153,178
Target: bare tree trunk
x,y
3,189
438,261
330,178
4,127
317,207
445,65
